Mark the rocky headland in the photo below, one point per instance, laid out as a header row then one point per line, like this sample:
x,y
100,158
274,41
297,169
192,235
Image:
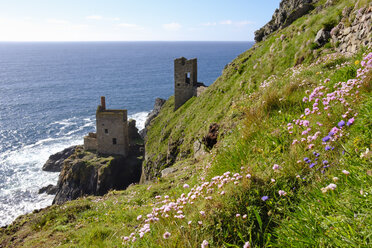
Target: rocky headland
x,y
86,173
274,153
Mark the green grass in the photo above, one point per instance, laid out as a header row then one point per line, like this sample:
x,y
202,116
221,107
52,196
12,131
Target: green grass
x,y
253,137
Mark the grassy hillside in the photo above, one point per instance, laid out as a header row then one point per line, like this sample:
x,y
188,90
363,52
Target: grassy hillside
x,y
292,167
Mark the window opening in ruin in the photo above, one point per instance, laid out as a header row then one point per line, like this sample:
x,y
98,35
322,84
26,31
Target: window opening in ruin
x,y
106,130
187,77
114,141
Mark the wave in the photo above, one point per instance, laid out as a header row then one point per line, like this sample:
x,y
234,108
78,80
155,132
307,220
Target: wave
x,y
140,118
21,175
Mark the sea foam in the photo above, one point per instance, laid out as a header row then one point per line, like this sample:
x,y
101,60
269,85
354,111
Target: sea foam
x,y
21,175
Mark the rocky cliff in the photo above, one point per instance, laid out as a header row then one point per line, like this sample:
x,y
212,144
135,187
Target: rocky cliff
x,y
275,177
55,161
354,30
288,12
86,173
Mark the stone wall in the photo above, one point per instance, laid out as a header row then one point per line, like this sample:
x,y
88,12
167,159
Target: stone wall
x,y
185,80
354,30
90,142
112,132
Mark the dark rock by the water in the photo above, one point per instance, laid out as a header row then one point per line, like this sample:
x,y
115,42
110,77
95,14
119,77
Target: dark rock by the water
x,y
211,138
86,173
288,12
50,189
159,102
134,136
55,161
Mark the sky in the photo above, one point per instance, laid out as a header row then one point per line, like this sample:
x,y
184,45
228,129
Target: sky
x,y
133,20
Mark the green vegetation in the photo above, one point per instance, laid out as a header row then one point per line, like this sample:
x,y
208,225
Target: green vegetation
x,y
260,184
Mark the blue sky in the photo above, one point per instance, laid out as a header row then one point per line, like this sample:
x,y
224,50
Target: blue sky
x,y
133,20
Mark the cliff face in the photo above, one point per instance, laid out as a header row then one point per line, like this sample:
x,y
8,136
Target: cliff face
x,y
85,173
291,161
354,30
288,12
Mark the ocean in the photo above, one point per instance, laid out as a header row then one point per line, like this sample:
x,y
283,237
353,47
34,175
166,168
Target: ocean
x,y
49,92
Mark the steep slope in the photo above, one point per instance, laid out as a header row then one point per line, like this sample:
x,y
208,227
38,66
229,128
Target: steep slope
x,y
292,166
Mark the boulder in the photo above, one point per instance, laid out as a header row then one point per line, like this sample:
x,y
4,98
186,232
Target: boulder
x,y
322,37
211,138
55,161
168,171
50,189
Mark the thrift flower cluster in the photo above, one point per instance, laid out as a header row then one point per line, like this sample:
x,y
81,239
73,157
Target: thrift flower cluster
x,y
174,209
314,137
322,100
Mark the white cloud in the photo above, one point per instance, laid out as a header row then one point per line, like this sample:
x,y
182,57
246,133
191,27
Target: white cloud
x,y
94,17
208,24
56,21
130,26
243,23
173,26
226,22
116,19
236,23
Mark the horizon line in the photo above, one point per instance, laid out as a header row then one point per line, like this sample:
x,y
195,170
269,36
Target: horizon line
x,y
15,41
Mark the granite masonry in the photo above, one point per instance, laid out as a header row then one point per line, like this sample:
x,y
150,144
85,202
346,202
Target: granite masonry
x,y
112,132
186,81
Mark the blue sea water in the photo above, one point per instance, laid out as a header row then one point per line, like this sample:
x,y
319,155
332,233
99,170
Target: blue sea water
x,y
49,93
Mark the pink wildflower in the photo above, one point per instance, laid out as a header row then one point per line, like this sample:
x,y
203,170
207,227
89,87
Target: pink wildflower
x,y
276,167
247,245
294,142
332,186
237,215
282,193
346,172
166,235
186,186
204,244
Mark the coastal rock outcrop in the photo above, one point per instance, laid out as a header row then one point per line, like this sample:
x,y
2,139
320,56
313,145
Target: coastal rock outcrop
x,y
133,135
86,173
55,161
288,12
159,102
354,29
50,189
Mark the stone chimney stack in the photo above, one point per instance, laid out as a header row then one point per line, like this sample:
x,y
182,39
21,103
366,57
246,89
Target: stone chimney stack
x,y
103,103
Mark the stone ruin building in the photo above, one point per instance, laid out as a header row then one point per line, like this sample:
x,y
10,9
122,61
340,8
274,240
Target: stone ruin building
x,y
111,137
186,81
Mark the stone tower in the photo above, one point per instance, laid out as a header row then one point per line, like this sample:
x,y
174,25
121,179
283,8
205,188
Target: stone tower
x,y
185,80
112,132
